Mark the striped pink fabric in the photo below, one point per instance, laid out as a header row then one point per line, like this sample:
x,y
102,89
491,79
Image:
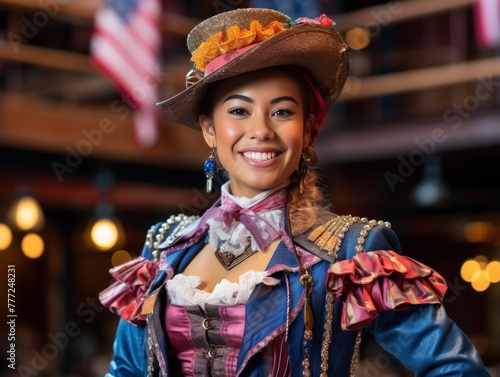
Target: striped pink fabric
x,y
372,282
125,295
487,23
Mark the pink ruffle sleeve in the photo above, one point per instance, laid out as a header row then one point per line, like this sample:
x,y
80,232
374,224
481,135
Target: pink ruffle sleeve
x,y
372,282
126,295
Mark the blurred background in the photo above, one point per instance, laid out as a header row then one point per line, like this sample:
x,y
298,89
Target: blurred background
x,y
414,140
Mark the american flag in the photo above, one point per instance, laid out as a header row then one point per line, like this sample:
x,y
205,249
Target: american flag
x,y
125,46
487,22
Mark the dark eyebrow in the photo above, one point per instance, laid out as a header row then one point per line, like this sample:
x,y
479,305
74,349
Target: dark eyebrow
x,y
239,96
284,98
273,101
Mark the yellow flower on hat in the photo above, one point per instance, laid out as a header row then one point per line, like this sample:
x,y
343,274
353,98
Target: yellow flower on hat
x,y
234,38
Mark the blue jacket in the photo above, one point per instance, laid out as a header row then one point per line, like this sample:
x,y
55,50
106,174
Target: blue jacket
x,y
422,337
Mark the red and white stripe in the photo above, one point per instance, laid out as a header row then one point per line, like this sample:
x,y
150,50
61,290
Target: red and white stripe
x,y
487,22
129,53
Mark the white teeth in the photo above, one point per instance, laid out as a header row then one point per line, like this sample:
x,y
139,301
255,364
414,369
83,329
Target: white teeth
x,y
258,156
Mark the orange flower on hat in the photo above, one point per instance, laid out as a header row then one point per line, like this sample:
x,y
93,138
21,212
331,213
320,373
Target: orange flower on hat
x,y
207,51
271,29
234,38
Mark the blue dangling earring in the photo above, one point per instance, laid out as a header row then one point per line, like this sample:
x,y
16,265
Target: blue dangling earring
x,y
209,168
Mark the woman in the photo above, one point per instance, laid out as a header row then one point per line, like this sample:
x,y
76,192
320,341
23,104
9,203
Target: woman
x,y
268,281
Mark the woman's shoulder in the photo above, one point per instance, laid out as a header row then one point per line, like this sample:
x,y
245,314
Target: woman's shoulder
x,y
133,279
336,237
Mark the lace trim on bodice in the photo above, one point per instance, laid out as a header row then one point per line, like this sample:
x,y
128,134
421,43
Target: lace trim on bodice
x,y
182,290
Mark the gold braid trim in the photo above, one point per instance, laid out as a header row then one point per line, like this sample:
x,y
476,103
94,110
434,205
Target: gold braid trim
x,y
327,335
355,353
329,237
153,241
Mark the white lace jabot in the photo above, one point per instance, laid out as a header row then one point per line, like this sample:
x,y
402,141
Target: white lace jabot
x,y
182,289
235,237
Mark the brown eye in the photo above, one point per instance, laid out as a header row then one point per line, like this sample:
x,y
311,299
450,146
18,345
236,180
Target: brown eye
x,y
283,113
237,111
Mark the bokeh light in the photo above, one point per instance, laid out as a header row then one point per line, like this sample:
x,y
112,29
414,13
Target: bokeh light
x,y
493,270
480,272
469,268
32,245
479,231
480,281
5,236
104,234
26,214
120,257
358,38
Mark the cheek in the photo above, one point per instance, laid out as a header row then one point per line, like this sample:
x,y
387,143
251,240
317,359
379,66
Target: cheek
x,y
295,140
225,141
226,134
296,146
225,138
230,133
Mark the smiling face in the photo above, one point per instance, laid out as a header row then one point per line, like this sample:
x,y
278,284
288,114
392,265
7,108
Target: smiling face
x,y
259,128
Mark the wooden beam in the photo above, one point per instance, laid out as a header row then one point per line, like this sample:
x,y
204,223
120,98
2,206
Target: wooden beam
x,y
46,57
94,131
81,194
356,88
78,9
403,138
177,24
174,24
393,12
420,79
173,74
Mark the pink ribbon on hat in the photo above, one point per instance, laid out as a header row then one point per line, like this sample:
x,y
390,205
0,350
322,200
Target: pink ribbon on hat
x,y
221,60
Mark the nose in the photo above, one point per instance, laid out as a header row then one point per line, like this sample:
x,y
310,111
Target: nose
x,y
261,129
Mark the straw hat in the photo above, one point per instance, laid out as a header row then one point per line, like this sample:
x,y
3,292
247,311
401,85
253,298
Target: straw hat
x,y
244,40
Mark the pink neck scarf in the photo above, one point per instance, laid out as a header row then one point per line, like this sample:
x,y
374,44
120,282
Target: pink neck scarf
x,y
238,219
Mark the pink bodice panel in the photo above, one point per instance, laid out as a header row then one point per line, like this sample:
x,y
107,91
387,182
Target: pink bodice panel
x,y
204,341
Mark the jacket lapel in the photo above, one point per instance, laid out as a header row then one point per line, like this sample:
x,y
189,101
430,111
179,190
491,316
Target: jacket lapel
x,y
270,310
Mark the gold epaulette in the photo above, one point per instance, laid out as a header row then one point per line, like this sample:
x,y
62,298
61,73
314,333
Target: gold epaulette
x,y
329,236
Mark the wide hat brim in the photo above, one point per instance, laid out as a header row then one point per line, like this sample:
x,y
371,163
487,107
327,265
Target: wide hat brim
x,y
319,50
